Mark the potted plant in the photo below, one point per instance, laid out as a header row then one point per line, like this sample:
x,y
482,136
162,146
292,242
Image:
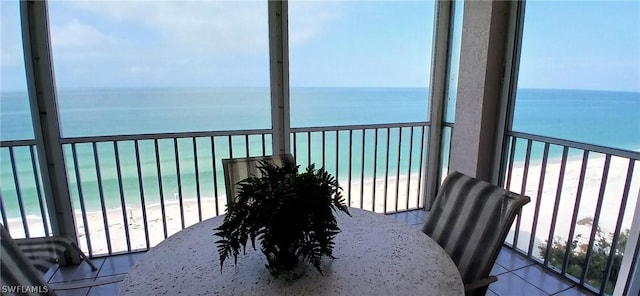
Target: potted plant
x,y
289,213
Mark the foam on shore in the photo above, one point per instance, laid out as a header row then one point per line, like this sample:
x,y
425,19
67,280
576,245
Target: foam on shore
x,y
373,200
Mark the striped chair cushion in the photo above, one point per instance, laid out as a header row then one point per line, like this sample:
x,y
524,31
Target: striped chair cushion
x,y
44,251
470,219
238,169
19,277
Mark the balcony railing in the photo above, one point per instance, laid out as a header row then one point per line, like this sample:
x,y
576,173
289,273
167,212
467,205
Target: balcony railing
x,y
583,198
21,198
382,165
131,192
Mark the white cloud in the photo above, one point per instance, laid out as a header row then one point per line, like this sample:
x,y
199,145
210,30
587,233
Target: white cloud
x,y
143,70
312,19
10,36
11,55
579,72
218,42
210,26
218,26
74,35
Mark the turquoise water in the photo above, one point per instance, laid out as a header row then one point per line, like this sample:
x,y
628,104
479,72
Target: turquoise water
x,y
597,117
143,111
603,118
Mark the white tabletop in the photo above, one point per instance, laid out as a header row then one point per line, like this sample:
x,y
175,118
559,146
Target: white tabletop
x,y
375,255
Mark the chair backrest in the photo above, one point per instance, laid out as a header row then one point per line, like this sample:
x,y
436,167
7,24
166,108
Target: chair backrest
x,y
470,220
238,169
19,276
43,252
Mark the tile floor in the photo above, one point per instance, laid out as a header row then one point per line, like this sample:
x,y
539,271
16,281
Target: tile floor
x,y
516,275
108,267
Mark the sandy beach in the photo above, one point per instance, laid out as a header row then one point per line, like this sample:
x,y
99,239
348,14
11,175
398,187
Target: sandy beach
x,y
191,213
588,201
362,194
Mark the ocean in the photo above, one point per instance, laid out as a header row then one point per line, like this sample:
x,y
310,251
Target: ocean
x,y
597,117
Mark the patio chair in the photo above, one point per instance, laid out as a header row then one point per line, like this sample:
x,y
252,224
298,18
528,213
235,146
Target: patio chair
x,y
19,276
43,252
238,169
470,220
22,274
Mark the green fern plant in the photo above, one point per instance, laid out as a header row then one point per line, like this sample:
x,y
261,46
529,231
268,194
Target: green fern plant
x,y
291,214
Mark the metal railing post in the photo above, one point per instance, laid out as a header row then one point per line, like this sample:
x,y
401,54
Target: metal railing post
x,y
44,111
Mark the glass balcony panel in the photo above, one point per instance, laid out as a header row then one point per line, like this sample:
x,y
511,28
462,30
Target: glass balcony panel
x,y
15,122
354,63
157,67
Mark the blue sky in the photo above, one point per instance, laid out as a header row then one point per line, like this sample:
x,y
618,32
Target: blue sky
x,y
567,44
581,45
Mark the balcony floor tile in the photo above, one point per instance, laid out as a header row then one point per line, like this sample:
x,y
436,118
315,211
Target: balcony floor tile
x,y
575,291
511,284
537,276
407,218
498,270
76,272
511,261
105,290
73,292
119,264
421,214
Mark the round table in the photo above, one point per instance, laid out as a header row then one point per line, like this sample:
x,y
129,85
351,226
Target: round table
x,y
375,255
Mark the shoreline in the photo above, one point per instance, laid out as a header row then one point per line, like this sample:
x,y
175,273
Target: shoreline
x,y
117,223
568,197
